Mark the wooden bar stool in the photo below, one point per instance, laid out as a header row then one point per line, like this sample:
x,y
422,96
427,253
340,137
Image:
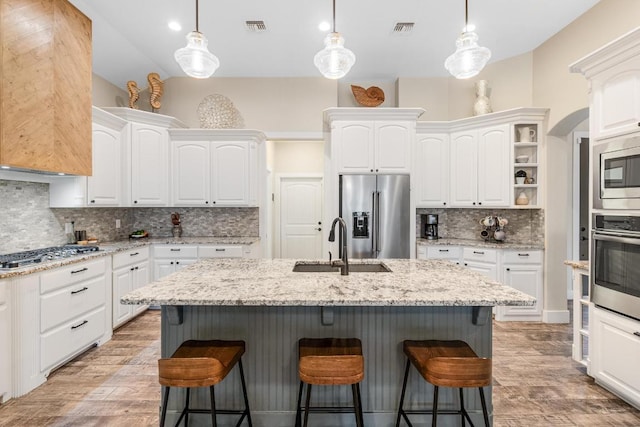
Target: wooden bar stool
x,y
202,364
330,361
446,364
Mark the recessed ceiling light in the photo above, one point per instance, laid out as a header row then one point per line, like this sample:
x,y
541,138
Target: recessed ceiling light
x,y
175,26
324,26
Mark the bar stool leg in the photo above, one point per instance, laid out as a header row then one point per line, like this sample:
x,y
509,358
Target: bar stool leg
x,y
213,406
461,406
186,409
484,407
434,420
404,388
306,406
165,400
244,394
299,406
357,404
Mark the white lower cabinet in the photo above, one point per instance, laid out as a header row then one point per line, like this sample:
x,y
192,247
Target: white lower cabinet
x,y
614,346
130,272
5,341
168,259
482,260
522,270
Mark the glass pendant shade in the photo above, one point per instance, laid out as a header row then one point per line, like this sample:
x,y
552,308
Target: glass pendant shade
x,y
195,59
334,61
469,58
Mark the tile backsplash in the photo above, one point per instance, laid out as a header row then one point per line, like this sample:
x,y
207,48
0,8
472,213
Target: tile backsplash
x,y
29,223
525,225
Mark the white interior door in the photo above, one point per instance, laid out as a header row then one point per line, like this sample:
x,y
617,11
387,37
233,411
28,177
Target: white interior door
x,y
301,218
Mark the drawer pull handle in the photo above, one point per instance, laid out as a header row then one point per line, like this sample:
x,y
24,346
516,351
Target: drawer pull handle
x,y
523,254
134,254
636,334
220,250
79,290
478,252
79,271
80,324
443,250
175,250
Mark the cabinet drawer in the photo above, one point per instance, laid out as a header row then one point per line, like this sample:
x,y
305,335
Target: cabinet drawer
x,y
220,251
62,342
67,303
522,257
130,257
65,276
175,251
480,254
444,252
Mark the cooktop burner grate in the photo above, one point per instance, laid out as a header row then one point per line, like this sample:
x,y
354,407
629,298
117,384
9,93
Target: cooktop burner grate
x,y
20,259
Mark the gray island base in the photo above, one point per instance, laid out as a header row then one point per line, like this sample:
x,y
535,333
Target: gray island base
x,y
270,307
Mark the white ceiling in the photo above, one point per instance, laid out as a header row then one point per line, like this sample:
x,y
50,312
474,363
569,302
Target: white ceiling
x,y
132,39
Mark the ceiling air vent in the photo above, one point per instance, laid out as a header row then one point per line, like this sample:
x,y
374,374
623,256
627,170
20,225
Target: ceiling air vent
x,y
256,26
403,27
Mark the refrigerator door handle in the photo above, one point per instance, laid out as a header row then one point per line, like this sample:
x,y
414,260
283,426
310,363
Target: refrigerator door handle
x,y
377,223
373,223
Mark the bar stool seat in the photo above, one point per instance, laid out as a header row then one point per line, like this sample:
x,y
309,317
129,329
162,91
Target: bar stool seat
x,y
330,361
202,364
446,364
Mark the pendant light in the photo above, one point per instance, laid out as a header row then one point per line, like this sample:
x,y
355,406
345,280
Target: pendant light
x,y
469,58
334,61
195,59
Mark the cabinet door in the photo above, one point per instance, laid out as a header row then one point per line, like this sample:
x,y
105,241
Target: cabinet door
x,y
163,267
122,283
464,169
149,165
140,277
191,181
355,146
494,177
489,270
392,152
182,263
432,170
527,279
104,187
5,343
230,173
616,100
614,346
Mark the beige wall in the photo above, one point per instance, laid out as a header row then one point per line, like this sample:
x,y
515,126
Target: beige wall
x,y
106,94
298,157
267,104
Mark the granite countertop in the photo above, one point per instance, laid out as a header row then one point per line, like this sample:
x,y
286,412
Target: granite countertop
x,y
480,243
263,282
580,265
109,248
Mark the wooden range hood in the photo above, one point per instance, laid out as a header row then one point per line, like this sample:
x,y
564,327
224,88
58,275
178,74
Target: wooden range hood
x,y
45,87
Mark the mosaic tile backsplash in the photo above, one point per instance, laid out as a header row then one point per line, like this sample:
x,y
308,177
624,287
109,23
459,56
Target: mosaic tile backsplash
x,y
525,225
29,223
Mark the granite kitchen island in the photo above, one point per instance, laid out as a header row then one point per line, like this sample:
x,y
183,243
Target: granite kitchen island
x,y
266,304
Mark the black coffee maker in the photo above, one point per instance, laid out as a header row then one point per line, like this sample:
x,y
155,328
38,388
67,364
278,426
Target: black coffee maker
x,y
430,226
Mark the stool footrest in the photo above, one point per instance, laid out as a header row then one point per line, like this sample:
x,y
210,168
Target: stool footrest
x,y
332,409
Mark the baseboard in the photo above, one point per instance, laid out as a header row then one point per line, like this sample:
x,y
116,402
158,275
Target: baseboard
x,y
555,316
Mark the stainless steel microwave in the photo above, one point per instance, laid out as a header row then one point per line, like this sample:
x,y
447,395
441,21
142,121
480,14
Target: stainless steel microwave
x,y
616,178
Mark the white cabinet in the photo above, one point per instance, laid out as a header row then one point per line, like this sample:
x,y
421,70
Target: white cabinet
x,y
374,146
130,272
220,251
482,260
526,157
614,346
5,342
479,174
215,167
451,253
168,259
431,170
149,165
522,270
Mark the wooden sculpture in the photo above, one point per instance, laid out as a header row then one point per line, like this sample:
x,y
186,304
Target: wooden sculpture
x,y
134,94
155,90
371,97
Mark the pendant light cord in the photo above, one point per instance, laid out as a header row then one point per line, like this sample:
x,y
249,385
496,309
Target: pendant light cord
x,y
334,17
197,17
466,15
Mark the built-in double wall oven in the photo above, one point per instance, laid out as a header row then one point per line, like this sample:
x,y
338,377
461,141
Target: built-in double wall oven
x,y
615,263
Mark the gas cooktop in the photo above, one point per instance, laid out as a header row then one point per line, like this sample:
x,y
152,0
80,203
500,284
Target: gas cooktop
x,y
21,259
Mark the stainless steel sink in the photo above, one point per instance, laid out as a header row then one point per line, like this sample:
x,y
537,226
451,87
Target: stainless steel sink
x,y
305,267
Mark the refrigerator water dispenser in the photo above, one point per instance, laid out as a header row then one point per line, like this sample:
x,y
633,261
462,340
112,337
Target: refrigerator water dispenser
x,y
360,227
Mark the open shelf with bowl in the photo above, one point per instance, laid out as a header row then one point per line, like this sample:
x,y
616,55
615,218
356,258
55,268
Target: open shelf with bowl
x,y
526,166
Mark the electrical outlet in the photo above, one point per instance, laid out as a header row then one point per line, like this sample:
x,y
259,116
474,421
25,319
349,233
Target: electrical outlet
x,y
117,223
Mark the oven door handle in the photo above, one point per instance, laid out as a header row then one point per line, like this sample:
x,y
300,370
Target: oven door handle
x,y
615,237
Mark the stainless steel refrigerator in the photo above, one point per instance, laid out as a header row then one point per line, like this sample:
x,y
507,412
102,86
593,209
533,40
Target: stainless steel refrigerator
x,y
376,210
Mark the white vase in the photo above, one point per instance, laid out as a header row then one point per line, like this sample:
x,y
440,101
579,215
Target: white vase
x,y
522,199
482,104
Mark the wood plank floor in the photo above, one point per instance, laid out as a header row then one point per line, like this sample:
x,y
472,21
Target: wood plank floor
x,y
535,383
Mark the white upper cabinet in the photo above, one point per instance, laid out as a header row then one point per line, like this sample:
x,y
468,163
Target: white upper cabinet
x,y
431,170
215,167
149,165
613,72
357,151
464,169
104,187
393,143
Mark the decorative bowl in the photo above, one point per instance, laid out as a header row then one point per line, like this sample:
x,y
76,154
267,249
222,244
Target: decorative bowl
x,y
522,159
